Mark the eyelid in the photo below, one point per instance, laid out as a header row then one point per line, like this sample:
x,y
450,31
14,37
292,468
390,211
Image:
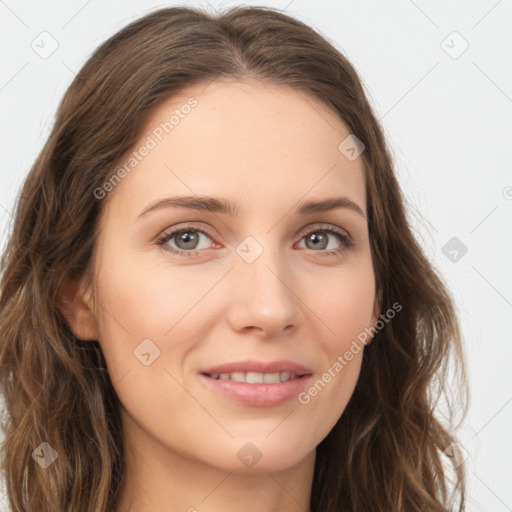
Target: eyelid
x,y
170,233
323,226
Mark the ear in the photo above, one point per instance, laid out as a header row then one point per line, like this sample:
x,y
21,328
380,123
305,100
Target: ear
x,y
75,304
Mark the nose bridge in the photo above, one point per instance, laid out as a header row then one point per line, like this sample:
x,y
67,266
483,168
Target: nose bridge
x,y
259,260
262,287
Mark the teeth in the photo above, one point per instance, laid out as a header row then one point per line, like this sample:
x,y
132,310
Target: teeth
x,y
284,376
238,376
271,378
255,377
252,377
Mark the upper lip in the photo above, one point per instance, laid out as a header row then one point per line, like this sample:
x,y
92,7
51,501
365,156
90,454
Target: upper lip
x,y
281,365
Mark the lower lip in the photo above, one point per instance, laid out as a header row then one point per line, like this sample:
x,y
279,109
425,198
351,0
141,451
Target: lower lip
x,y
258,395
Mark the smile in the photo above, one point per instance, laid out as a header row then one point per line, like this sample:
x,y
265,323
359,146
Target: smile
x,y
255,377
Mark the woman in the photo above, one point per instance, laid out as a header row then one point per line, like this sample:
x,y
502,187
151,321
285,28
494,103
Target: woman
x,y
211,297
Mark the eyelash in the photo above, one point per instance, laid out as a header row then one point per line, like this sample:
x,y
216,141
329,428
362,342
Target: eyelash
x,y
168,235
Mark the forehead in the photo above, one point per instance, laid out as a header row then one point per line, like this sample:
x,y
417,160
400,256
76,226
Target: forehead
x,y
255,143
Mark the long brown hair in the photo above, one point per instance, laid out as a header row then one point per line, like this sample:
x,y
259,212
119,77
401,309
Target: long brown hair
x,y
386,451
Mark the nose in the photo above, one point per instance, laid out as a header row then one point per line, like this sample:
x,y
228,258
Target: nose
x,y
262,299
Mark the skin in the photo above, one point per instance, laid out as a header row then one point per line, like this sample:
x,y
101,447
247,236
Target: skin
x,y
267,148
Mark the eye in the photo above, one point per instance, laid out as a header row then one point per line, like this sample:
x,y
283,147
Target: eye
x,y
318,239
187,240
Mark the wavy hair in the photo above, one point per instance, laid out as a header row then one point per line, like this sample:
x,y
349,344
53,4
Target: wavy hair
x,y
386,451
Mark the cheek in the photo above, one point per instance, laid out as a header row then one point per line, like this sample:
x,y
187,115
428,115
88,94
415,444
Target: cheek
x,y
140,301
326,398
345,307
144,297
140,314
346,311
344,303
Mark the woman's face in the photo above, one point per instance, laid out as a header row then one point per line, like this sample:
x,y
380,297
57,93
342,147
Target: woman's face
x,y
271,285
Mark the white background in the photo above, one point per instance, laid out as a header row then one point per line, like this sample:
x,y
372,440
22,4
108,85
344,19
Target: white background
x,y
447,121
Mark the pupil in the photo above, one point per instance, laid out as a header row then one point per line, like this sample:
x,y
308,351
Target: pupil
x,y
188,239
317,240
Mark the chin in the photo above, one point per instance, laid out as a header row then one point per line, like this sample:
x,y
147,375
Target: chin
x,y
253,455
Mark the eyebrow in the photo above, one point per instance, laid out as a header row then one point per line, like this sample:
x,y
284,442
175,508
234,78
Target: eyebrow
x,y
221,205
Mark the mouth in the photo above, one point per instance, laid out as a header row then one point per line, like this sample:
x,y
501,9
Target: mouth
x,y
258,372
258,384
256,377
